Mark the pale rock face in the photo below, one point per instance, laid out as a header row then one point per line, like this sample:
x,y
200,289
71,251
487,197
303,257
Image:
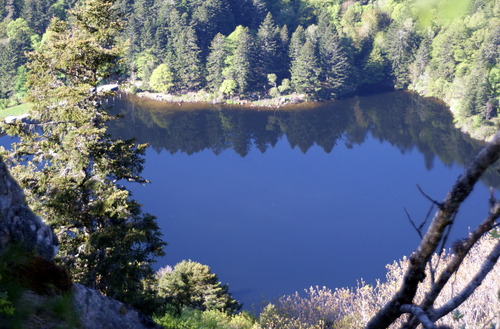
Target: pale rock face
x,y
18,224
100,312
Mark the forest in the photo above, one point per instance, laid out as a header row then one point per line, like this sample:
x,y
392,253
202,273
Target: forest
x,y
255,49
53,55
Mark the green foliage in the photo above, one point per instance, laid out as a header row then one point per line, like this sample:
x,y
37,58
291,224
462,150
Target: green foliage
x,y
271,79
146,63
285,86
243,61
6,306
306,71
22,274
216,62
20,87
191,284
162,79
228,87
72,170
211,319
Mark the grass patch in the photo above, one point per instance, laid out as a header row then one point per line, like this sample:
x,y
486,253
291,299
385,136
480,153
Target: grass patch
x,y
14,110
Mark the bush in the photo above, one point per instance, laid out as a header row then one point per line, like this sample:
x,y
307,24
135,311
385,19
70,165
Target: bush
x,y
162,79
193,285
213,319
353,308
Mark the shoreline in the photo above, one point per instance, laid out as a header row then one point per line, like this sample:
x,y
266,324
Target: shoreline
x,y
479,131
203,97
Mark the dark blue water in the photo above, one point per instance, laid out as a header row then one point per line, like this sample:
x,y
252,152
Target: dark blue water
x,y
277,201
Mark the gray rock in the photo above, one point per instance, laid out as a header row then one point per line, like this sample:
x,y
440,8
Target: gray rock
x,y
100,312
18,224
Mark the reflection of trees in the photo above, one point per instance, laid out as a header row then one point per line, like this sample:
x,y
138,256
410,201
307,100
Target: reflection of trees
x,y
404,120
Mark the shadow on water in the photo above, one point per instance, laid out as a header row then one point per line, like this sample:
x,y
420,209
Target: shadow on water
x,y
405,120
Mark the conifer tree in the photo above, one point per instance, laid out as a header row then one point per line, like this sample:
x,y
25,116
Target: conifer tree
x,y
191,284
216,62
37,13
335,65
8,60
243,61
187,60
72,170
267,42
283,60
306,71
296,42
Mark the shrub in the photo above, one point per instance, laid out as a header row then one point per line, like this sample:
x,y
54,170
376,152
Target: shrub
x,y
191,284
213,319
353,308
162,79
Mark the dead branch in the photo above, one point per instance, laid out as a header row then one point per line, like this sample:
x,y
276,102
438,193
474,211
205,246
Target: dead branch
x,y
438,204
420,314
418,229
461,250
443,217
487,266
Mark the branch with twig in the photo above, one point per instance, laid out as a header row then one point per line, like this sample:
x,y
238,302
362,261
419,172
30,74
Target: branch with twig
x,y
436,233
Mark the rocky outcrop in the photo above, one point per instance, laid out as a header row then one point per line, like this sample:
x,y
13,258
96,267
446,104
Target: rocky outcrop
x,y
42,278
18,224
100,312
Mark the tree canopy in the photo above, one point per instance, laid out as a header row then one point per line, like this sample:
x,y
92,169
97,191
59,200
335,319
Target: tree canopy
x,y
72,170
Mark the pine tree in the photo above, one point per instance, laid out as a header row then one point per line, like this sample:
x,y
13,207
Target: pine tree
x,y
71,169
334,62
191,284
283,60
38,14
243,61
296,42
401,50
209,18
306,70
8,60
267,43
187,60
216,62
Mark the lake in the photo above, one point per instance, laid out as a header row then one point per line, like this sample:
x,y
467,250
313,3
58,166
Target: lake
x,y
275,201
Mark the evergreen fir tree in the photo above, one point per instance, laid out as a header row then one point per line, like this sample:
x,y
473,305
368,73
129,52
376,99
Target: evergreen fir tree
x,y
187,60
38,14
72,171
243,62
306,71
267,42
334,62
216,62
296,42
8,60
283,60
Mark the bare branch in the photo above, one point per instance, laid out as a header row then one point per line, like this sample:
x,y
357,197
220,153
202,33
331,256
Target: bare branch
x,y
438,204
487,266
418,229
419,314
462,248
429,213
441,220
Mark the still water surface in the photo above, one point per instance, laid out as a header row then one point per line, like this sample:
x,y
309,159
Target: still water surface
x,y
277,201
